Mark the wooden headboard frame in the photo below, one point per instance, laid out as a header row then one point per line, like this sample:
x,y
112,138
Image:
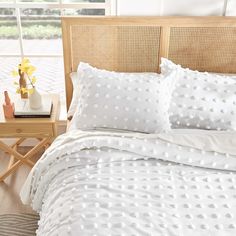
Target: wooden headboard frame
x,y
135,44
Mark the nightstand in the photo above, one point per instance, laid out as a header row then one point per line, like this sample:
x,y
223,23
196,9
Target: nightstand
x,y
21,129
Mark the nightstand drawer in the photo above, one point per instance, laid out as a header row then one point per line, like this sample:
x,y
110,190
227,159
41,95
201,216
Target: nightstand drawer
x,y
26,129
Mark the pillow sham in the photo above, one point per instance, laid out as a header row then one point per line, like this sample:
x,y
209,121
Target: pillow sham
x,y
123,101
75,78
75,95
201,100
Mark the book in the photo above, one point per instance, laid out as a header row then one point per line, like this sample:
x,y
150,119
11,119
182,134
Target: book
x,y
23,110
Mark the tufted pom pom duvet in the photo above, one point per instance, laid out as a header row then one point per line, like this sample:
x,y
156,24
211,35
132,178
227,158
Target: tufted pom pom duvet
x,y
106,183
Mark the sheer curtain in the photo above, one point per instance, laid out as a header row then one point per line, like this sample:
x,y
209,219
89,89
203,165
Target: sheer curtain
x,y
231,8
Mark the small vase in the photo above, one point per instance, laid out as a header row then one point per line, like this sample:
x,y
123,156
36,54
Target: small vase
x,y
23,84
35,100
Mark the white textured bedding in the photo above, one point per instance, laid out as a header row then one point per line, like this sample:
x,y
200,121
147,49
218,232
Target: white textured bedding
x,y
208,140
97,183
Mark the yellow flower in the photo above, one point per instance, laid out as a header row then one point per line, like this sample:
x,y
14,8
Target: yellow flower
x,y
25,61
30,70
31,90
24,65
14,73
33,79
24,90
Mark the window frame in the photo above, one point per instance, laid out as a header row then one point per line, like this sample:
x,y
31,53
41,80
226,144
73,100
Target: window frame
x,y
108,5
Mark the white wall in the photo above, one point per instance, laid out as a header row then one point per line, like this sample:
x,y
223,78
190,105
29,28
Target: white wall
x,y
176,7
138,7
192,7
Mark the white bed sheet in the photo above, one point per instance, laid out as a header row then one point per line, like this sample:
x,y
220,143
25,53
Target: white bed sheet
x,y
208,140
102,183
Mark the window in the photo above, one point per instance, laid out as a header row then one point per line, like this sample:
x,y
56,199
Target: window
x,y
32,28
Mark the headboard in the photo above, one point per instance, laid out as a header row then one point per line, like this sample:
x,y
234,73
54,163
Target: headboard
x,y
136,44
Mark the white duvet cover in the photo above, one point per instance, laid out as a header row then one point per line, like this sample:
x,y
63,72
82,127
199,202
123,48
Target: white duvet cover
x,y
101,183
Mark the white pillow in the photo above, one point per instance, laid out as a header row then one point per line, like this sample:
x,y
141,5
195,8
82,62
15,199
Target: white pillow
x,y
123,101
75,97
75,77
201,100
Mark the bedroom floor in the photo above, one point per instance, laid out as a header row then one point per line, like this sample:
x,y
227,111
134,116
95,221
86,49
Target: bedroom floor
x,y
9,189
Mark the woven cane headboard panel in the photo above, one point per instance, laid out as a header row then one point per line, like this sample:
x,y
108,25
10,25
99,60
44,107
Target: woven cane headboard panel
x,y
118,48
136,44
205,49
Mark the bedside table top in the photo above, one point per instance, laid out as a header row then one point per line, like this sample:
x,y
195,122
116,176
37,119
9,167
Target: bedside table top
x,y
54,116
31,127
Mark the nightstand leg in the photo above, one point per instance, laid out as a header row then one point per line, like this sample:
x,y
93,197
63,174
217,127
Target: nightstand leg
x,y
18,142
9,171
14,147
17,155
22,159
11,162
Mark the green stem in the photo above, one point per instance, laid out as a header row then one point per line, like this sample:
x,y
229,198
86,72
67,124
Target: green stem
x,y
30,80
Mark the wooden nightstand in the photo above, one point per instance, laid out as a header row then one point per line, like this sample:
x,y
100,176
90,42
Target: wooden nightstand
x,y
43,129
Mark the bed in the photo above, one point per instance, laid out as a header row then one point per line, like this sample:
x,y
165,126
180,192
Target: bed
x,y
113,182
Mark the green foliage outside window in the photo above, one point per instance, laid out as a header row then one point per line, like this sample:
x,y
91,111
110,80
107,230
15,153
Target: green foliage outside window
x,y
38,23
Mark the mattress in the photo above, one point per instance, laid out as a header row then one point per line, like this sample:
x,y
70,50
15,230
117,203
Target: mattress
x,y
107,183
